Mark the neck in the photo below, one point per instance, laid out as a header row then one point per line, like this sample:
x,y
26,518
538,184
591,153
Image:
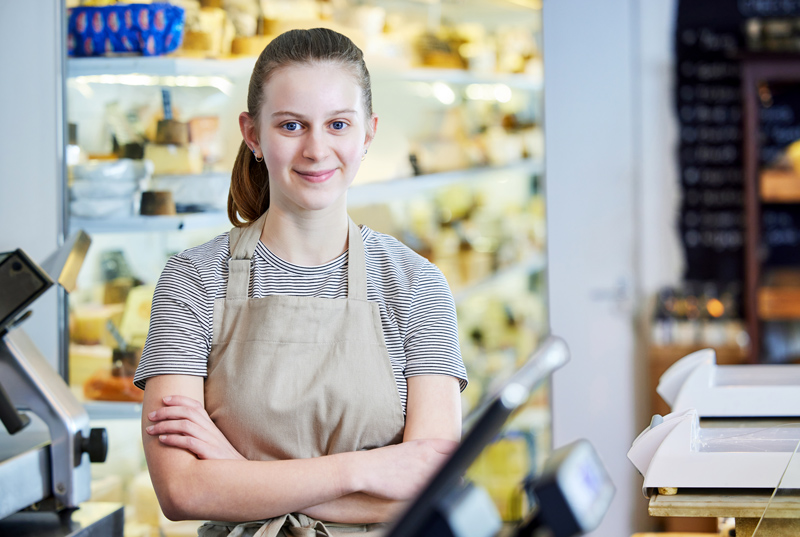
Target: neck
x,y
306,240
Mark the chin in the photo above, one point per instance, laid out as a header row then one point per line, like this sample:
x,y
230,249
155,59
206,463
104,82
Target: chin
x,y
319,203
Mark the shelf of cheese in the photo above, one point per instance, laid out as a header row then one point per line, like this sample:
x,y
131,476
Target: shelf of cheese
x,y
779,186
532,264
116,68
405,188
779,297
359,195
521,81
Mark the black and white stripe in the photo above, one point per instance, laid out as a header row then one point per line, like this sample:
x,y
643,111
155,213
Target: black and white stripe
x,y
416,306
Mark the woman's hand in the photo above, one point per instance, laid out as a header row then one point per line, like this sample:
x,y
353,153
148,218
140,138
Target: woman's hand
x,y
184,423
400,472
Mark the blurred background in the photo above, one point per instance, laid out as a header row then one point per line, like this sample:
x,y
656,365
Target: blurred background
x,y
581,168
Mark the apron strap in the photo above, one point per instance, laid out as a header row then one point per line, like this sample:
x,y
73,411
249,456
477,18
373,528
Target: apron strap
x,y
242,242
356,264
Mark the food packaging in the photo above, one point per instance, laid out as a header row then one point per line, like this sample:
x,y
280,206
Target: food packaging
x,y
146,29
106,188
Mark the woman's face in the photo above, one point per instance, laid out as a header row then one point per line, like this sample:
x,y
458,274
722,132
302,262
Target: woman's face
x,y
313,132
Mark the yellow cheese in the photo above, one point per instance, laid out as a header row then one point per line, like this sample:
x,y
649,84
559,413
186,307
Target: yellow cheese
x,y
174,159
136,318
84,360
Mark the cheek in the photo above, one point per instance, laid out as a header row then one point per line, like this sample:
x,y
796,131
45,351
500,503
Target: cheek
x,y
353,151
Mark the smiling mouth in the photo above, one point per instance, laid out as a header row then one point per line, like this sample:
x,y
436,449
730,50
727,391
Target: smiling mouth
x,y
316,176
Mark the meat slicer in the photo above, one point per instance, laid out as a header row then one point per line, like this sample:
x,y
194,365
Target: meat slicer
x,y
46,429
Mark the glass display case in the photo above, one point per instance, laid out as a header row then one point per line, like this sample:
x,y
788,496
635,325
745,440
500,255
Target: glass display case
x,y
455,172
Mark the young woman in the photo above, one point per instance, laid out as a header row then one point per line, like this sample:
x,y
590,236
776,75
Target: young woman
x,y
299,368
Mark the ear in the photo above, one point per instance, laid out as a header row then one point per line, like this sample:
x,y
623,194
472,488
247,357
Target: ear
x,y
372,128
249,130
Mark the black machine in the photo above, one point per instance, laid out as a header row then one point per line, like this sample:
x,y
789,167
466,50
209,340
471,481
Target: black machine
x,y
570,496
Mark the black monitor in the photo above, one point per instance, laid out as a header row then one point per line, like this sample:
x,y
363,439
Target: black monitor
x,y
482,427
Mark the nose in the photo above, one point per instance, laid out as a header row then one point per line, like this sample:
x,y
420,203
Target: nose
x,y
315,147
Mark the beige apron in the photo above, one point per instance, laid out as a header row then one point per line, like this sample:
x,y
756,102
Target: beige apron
x,y
299,377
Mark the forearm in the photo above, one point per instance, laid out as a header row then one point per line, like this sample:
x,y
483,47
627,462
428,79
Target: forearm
x,y
228,490
193,479
190,487
357,508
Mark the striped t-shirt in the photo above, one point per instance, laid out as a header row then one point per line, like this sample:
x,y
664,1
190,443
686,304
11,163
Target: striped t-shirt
x,y
416,306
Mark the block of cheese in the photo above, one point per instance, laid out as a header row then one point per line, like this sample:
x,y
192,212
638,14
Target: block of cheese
x,y
250,45
85,360
136,317
212,35
88,323
174,159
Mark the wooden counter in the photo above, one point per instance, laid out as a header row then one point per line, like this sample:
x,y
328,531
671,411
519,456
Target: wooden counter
x,y
782,518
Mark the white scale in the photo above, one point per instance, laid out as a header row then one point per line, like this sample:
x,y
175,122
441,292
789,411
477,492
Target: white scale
x,y
744,450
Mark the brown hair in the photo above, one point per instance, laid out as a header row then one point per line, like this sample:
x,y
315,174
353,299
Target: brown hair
x,y
248,197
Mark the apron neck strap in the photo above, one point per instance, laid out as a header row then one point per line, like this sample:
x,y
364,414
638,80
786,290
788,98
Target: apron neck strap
x,y
356,265
243,242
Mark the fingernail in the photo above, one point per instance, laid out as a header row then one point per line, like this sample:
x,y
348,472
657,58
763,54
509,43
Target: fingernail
x,y
162,437
150,428
167,399
152,415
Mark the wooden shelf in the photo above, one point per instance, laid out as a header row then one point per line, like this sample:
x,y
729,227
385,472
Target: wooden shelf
x,y
779,186
779,303
779,296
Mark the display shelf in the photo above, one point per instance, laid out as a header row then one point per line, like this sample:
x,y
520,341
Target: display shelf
x,y
160,66
460,76
779,296
531,265
359,194
146,223
242,67
779,303
406,188
779,186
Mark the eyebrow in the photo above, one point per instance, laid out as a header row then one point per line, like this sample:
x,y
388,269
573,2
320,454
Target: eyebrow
x,y
281,113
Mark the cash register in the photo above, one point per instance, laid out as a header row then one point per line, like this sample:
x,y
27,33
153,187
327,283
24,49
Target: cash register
x,y
46,443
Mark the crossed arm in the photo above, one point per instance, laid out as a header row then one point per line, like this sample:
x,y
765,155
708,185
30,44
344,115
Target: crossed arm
x,y
197,474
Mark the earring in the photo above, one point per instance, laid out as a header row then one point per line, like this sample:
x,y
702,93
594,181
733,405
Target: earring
x,y
365,155
256,156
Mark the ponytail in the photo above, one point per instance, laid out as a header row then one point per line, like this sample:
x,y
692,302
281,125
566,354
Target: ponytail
x,y
248,197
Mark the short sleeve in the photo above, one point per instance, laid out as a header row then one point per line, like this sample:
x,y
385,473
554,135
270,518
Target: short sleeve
x,y
431,341
179,338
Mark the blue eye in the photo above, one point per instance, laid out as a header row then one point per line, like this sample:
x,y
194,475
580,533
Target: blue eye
x,y
338,125
291,126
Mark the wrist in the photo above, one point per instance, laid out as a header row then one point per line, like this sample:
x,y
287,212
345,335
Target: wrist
x,y
349,476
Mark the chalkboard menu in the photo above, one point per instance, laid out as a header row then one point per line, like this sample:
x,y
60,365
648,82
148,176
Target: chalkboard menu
x,y
711,37
708,39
